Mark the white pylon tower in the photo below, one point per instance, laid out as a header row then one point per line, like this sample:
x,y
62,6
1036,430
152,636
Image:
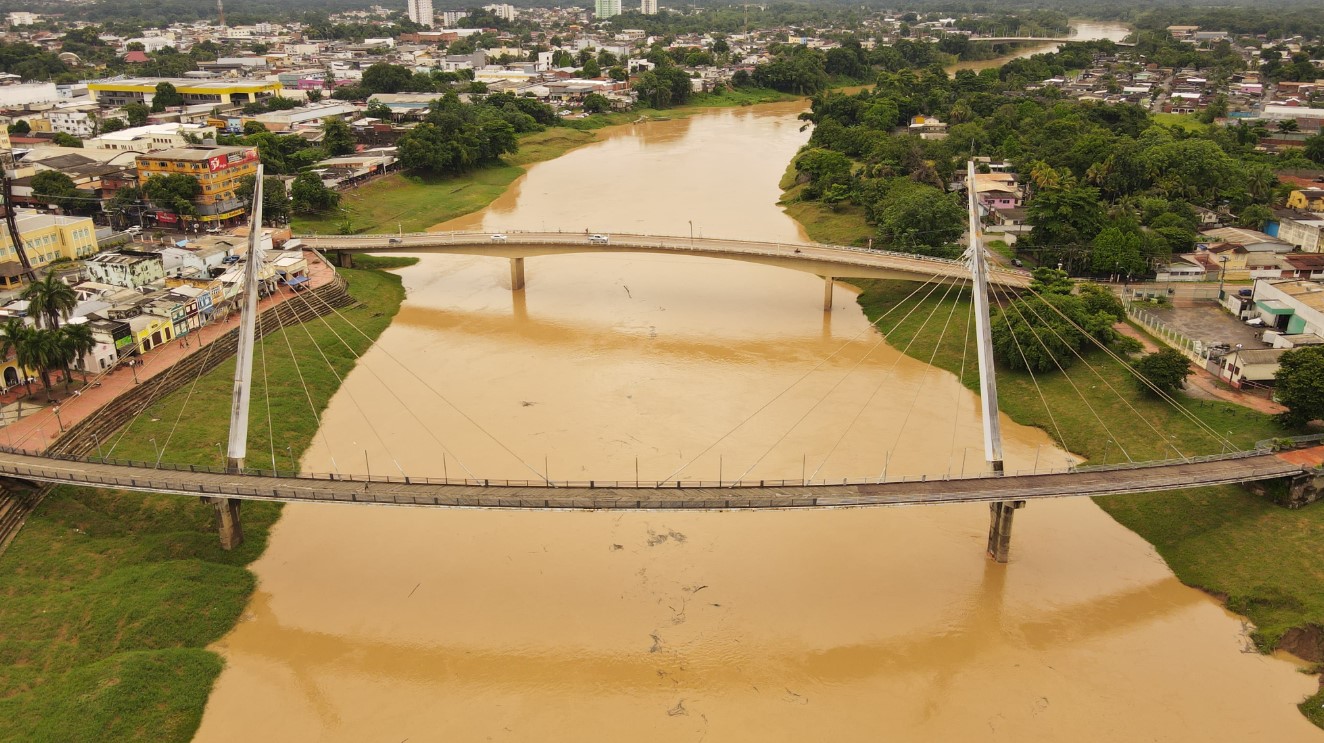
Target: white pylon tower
x,y
1000,512
243,368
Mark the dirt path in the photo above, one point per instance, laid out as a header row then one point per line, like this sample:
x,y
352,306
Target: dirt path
x,y
1203,384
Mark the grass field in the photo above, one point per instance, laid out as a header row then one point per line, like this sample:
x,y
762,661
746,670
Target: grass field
x,y
699,103
1268,561
413,203
1185,121
109,599
844,225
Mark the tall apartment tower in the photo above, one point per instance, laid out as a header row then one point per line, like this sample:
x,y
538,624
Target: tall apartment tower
x,y
648,7
608,8
420,12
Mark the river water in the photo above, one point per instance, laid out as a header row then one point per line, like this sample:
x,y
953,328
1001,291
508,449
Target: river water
x,y
852,625
1081,30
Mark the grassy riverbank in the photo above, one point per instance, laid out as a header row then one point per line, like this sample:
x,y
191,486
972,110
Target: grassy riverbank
x,y
1264,559
844,225
414,203
108,600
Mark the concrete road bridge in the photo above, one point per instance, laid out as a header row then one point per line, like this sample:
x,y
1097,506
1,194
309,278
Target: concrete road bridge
x,y
828,261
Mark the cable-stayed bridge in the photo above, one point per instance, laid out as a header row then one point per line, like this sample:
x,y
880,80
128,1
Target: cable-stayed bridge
x,y
228,486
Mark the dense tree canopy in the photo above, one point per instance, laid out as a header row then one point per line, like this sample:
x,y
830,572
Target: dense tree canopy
x,y
1299,384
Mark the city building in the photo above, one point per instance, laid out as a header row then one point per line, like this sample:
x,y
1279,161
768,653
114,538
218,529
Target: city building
x,y
119,91
608,8
648,7
218,170
504,12
420,12
150,137
46,238
451,18
130,271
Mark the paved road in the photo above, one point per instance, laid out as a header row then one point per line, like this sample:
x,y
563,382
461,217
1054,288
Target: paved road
x,y
1242,467
824,260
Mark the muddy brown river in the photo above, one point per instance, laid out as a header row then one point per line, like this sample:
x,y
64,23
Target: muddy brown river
x,y
378,624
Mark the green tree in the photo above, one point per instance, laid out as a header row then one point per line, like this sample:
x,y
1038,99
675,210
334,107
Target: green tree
x,y
20,127
54,187
1288,125
113,124
1254,217
166,96
913,215
386,78
309,194
596,103
61,139
378,110
592,69
275,201
337,138
1314,148
174,192
50,300
136,113
78,341
1165,371
1299,385
1117,251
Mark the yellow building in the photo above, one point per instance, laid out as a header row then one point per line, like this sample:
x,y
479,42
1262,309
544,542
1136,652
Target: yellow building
x,y
219,171
46,238
1307,199
195,92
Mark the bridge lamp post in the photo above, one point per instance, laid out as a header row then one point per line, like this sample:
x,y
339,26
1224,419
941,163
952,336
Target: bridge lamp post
x,y
691,233
220,453
157,448
97,439
293,464
1037,450
1106,442
133,366
964,454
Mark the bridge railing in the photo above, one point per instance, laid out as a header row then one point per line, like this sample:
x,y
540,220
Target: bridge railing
x,y
677,242
1263,448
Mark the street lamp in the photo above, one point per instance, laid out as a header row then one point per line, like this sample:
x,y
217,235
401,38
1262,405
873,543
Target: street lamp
x,y
1221,273
294,465
691,233
133,366
157,448
100,454
56,409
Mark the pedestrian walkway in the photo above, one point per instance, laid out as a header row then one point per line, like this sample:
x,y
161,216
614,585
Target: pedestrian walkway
x,y
39,430
1205,383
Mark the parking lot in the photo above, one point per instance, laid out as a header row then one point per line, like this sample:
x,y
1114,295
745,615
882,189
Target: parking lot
x,y
1209,323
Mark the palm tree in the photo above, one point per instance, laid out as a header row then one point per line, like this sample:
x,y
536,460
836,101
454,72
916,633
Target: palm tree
x,y
47,351
50,300
78,342
16,338
1287,125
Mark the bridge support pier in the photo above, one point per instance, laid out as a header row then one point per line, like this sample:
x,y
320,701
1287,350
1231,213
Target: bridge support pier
x,y
516,274
1000,514
228,524
344,259
828,283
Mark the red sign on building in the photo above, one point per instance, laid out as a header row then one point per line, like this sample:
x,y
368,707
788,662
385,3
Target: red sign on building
x,y
167,217
221,162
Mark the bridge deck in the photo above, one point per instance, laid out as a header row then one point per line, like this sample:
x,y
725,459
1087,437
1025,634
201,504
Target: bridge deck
x,y
825,260
1241,467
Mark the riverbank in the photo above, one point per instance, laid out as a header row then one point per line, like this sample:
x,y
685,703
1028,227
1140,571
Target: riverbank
x,y
413,203
1262,560
110,599
844,225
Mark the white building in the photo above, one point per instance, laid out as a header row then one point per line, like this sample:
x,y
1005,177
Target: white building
x,y
504,12
150,137
608,8
420,12
451,18
80,122
23,18
118,269
648,7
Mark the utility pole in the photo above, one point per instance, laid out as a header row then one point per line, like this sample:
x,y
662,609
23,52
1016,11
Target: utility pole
x,y
11,222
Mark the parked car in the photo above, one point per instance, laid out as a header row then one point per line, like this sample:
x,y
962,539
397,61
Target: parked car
x,y
598,239
498,238
133,229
